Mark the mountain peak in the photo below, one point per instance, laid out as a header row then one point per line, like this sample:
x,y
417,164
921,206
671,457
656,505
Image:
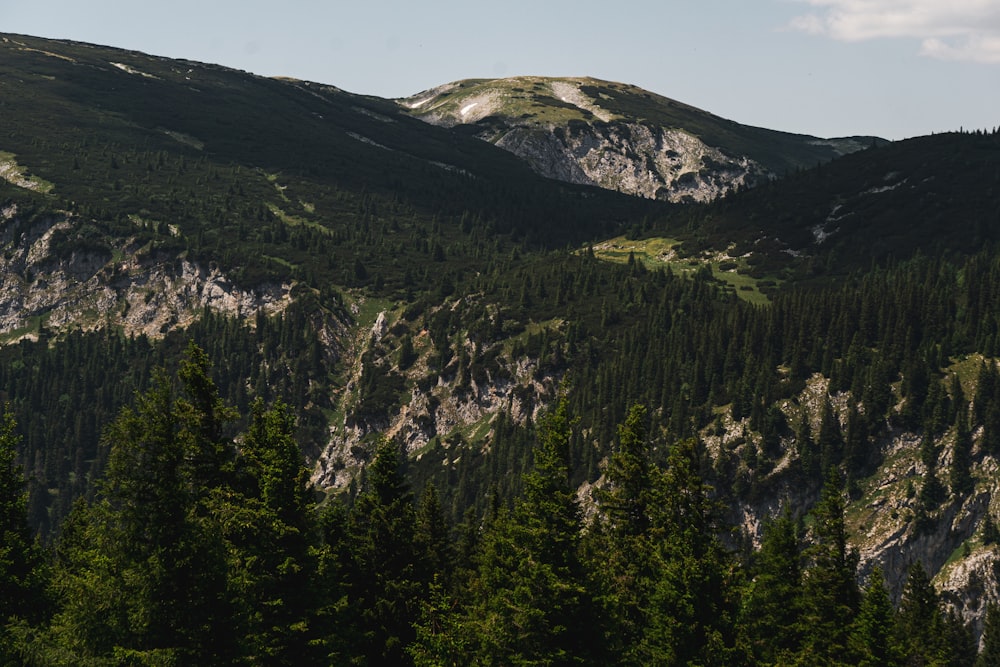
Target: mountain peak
x,y
619,136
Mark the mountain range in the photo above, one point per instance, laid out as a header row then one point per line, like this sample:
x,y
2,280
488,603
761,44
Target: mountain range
x,y
436,270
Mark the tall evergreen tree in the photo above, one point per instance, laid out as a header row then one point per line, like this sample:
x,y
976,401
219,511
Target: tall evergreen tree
x,y
960,470
141,575
533,606
270,536
923,631
620,544
22,565
385,580
990,653
872,640
692,605
773,602
831,591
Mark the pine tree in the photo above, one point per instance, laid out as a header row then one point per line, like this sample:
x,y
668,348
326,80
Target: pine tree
x,y
872,639
692,617
384,582
990,653
22,565
773,601
831,591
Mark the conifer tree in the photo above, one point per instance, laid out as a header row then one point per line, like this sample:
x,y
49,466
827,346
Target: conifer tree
x,y
384,581
22,566
960,470
872,641
922,629
692,608
831,591
270,536
141,574
621,541
990,653
773,602
533,606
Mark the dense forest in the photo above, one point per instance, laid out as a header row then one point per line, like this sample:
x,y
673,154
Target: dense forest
x,y
205,546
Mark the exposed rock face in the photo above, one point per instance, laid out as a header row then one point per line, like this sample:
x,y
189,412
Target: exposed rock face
x,y
137,288
432,412
633,158
620,137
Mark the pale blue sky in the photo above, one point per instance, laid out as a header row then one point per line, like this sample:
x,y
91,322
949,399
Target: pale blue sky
x,y
893,68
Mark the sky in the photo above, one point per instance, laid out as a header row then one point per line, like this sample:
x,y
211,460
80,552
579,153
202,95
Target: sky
x,y
829,68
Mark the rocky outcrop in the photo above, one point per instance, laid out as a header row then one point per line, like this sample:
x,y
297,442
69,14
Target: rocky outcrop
x,y
137,288
633,158
438,409
620,137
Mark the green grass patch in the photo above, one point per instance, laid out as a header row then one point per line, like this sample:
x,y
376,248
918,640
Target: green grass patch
x,y
658,253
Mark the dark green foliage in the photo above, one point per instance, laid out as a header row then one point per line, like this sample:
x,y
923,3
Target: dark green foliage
x,y
621,543
773,602
960,469
831,591
200,545
532,605
925,632
22,566
693,597
387,575
990,653
143,573
873,640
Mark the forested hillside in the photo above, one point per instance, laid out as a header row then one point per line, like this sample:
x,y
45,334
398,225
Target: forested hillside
x,y
404,401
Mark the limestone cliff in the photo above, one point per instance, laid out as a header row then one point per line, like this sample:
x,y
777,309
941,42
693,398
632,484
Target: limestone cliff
x,y
620,137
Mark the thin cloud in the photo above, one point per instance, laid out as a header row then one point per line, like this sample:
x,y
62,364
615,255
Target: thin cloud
x,y
967,30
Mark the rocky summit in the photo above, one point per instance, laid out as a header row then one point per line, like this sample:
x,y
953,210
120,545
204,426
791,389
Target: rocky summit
x,y
621,137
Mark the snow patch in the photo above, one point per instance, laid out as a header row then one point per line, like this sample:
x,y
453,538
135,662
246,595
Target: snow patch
x,y
467,108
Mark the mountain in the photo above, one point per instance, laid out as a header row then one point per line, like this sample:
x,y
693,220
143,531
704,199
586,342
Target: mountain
x,y
621,137
393,280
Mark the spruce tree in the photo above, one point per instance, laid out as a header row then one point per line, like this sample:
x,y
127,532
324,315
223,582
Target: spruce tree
x,y
385,578
990,653
270,536
960,470
621,542
22,565
532,605
692,605
872,640
141,574
772,603
831,591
